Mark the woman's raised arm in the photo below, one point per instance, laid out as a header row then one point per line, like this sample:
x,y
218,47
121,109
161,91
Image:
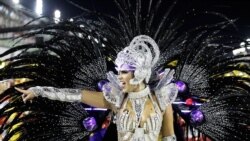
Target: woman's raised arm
x,y
92,98
95,99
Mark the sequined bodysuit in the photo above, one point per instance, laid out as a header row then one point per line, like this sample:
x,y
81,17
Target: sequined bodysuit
x,y
139,118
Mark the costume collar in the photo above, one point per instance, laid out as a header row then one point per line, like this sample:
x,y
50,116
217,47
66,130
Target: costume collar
x,y
136,95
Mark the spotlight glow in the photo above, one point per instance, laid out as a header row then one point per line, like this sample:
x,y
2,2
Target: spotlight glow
x,y
238,51
39,7
16,1
57,16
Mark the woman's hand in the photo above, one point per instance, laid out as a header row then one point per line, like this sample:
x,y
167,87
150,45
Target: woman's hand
x,y
27,94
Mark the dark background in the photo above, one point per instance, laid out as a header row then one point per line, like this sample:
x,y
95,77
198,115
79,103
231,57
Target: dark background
x,y
234,9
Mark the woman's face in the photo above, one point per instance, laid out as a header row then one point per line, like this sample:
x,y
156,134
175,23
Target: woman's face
x,y
124,77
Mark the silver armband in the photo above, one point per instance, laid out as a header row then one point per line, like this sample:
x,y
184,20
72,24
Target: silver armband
x,y
65,94
169,138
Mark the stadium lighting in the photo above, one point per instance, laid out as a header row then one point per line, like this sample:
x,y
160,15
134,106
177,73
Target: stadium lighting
x,y
16,1
57,15
39,7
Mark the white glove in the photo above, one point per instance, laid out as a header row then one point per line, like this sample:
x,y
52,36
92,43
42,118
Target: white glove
x,y
67,95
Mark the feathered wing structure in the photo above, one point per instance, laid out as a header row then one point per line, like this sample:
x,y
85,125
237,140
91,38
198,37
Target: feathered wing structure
x,y
60,58
69,59
217,99
77,54
43,122
205,56
231,111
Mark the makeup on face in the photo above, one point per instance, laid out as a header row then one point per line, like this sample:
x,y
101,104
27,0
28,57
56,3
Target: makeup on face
x,y
124,77
125,74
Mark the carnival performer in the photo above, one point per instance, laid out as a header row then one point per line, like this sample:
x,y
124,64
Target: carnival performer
x,y
157,50
142,113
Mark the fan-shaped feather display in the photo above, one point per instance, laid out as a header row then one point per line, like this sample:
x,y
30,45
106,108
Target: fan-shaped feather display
x,y
79,53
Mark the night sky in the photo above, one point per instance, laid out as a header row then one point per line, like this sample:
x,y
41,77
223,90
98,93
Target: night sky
x,y
67,9
234,9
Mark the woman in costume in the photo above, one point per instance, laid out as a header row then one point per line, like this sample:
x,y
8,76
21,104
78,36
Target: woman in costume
x,y
140,115
81,51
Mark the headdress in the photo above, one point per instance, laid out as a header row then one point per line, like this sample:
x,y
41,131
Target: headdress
x,y
139,58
